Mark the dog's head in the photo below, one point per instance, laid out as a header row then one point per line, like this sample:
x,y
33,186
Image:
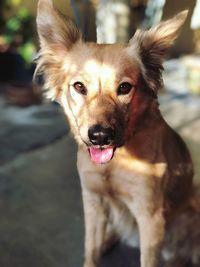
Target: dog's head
x,y
105,90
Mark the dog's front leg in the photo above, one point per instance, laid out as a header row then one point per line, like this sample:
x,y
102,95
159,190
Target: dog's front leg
x,y
95,225
151,230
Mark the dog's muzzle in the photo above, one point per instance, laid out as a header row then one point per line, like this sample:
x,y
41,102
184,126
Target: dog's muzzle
x,y
102,140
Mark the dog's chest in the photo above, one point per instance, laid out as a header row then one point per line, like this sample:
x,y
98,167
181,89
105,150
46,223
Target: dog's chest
x,y
112,179
122,177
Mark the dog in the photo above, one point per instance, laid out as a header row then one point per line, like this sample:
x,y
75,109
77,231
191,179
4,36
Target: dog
x,y
134,169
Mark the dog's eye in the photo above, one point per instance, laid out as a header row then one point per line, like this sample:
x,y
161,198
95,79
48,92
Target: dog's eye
x,y
124,88
80,88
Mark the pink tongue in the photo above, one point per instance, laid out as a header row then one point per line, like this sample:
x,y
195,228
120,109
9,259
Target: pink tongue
x,y
101,156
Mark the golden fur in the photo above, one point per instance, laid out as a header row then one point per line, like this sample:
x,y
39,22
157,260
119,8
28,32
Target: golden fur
x,y
150,175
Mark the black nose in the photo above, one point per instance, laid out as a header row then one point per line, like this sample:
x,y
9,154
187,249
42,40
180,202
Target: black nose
x,y
101,136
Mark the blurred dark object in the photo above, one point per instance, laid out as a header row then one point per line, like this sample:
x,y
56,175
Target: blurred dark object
x,y
184,43
84,14
22,94
137,15
2,4
197,40
12,64
15,76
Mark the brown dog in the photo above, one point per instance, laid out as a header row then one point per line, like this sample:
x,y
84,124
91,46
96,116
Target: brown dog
x,y
132,165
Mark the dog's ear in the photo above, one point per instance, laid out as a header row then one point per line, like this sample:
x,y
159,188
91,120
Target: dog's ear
x,y
54,28
152,45
57,35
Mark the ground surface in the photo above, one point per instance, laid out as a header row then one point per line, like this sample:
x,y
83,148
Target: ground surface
x,y
41,221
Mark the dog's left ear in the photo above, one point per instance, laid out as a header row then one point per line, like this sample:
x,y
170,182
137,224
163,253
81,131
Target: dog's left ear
x,y
151,46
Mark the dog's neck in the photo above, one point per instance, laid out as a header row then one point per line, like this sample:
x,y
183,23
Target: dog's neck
x,y
145,129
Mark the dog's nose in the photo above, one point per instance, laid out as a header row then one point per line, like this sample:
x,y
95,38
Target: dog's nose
x,y
101,136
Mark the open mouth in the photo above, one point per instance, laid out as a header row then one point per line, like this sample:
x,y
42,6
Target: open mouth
x,y
101,155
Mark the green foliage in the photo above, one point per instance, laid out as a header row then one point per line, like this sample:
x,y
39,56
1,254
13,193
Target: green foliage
x,y
23,13
27,51
13,24
20,27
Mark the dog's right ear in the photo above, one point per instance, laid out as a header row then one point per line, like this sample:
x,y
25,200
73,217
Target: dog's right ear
x,y
57,34
54,28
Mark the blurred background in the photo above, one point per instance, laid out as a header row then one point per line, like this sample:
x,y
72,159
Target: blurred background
x,y
41,221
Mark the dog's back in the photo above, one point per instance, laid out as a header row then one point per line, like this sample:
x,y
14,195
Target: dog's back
x,y
181,247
